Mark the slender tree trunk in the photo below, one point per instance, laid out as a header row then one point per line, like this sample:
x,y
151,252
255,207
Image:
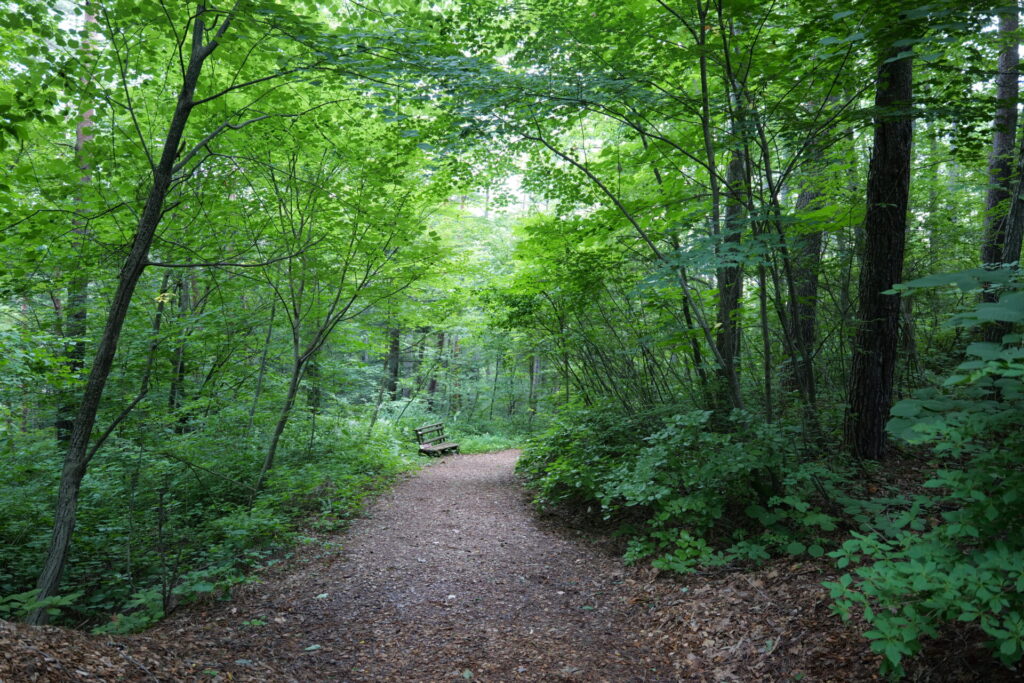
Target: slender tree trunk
x,y
455,402
531,401
1001,239
263,368
875,344
698,358
766,341
494,387
75,326
314,394
393,360
76,460
432,384
176,392
282,421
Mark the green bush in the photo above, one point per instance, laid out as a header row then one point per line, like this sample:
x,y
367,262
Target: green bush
x,y
687,494
166,517
957,554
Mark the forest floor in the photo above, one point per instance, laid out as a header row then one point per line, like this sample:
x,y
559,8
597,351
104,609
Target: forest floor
x,y
453,576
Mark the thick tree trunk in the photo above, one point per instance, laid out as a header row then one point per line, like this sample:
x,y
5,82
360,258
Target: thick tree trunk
x,y
726,363
888,191
803,306
76,460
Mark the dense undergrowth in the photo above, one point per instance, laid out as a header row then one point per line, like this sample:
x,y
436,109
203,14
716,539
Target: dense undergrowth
x,y
169,513
172,517
687,494
945,547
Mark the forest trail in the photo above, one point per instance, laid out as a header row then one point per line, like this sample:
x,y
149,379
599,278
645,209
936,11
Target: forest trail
x,y
451,576
448,577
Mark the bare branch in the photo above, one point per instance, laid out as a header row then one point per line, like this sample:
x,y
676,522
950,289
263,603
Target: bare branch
x,y
227,125
213,134
239,86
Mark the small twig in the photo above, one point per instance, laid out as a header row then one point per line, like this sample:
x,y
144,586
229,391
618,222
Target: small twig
x,y
134,661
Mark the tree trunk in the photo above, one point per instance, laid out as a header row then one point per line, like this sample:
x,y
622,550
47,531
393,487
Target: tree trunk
x,y
76,460
730,277
74,326
888,191
314,394
494,387
393,360
1000,163
1001,239
432,384
176,392
803,306
263,368
282,422
766,344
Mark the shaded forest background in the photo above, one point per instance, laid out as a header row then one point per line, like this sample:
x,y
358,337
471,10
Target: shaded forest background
x,y
742,274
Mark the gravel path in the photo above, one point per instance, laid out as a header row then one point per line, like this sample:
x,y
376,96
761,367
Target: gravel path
x,y
449,577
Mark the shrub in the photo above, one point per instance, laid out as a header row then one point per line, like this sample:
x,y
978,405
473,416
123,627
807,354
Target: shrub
x,y
957,555
684,489
165,518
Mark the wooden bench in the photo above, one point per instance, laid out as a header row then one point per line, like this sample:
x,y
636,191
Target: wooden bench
x,y
432,440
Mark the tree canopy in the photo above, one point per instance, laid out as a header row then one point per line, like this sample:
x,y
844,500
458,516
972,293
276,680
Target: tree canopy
x,y
716,263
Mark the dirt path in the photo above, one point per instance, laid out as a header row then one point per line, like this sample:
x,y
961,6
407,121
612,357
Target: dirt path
x,y
449,577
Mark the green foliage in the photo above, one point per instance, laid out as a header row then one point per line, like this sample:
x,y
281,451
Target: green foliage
x,y
485,442
157,531
957,553
18,605
681,489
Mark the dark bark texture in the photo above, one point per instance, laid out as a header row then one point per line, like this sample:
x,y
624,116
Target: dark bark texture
x,y
885,223
76,460
730,279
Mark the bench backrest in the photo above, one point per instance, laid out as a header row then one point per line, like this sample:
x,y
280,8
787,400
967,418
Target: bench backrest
x,y
423,433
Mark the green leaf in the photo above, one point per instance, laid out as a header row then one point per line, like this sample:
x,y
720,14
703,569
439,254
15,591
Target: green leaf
x,y
795,548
